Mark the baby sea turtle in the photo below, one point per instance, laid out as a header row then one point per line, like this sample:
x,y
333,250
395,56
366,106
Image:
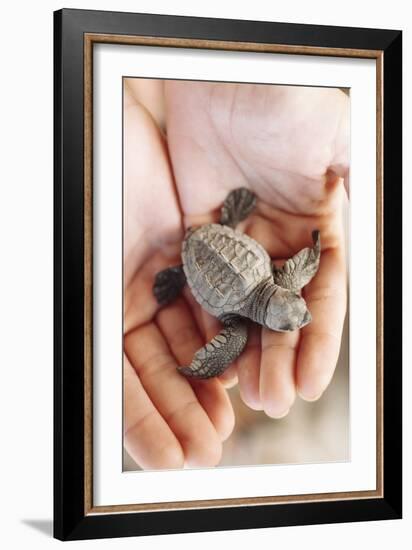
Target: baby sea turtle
x,y
233,278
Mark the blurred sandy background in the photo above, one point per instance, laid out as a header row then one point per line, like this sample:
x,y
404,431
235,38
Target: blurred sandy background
x,y
311,432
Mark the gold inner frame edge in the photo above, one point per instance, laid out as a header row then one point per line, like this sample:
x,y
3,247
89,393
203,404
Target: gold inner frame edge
x,y
89,40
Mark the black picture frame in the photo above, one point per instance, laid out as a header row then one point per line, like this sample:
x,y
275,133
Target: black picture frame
x,y
71,521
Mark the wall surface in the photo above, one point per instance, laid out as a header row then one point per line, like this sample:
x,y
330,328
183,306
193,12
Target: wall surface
x,y
26,274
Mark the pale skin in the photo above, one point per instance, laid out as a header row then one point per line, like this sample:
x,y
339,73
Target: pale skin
x,y
290,146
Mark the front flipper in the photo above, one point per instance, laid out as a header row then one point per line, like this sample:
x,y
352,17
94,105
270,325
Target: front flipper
x,y
299,270
237,206
168,284
214,358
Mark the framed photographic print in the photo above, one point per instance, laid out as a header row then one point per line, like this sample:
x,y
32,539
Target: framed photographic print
x,y
227,274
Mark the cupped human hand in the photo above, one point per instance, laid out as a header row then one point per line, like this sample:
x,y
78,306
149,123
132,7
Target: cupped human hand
x,y
291,146
169,422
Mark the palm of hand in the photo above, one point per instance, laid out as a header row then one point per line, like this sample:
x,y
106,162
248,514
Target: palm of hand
x,y
217,142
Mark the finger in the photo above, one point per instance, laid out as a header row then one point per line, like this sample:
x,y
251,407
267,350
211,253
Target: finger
x,y
173,396
148,438
196,311
277,366
211,327
180,330
248,365
146,159
140,304
216,402
321,339
229,377
208,327
148,92
183,337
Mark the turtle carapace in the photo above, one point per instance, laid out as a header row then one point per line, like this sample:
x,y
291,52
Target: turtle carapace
x,y
233,278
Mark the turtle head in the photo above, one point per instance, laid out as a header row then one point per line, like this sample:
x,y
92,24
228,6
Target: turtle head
x,y
286,311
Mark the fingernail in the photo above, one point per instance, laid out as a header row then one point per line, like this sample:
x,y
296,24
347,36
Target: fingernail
x,y
277,415
255,405
252,402
281,415
309,396
229,382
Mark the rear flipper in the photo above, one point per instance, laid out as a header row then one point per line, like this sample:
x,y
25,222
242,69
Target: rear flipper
x,y
214,358
169,284
237,206
299,270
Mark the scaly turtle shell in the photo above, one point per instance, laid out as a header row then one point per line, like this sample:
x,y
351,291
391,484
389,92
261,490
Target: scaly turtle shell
x,y
222,267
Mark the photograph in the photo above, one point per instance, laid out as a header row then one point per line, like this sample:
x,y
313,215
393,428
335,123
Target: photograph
x,y
235,274
203,222
227,274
